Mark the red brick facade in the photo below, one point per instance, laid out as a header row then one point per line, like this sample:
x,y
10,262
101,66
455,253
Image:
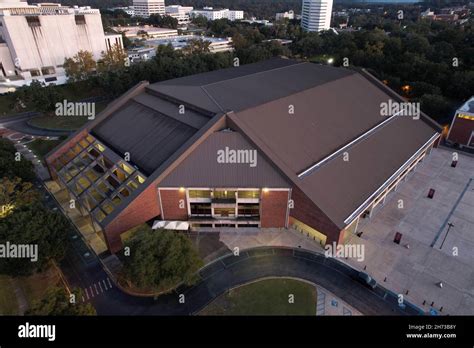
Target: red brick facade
x,y
143,208
173,204
307,212
273,209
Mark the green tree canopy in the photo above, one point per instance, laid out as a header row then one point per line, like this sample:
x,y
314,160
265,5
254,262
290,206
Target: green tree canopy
x,y
15,193
57,302
36,225
81,66
10,167
161,259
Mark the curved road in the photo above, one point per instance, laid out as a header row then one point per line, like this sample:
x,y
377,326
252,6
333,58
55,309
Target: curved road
x,y
252,264
19,123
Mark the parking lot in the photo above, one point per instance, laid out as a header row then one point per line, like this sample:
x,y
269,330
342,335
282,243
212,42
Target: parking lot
x,y
431,267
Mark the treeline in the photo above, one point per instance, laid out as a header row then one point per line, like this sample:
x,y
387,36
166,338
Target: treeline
x,y
434,59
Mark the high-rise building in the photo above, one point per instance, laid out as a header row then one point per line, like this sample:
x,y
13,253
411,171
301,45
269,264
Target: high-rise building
x,y
316,15
146,8
36,39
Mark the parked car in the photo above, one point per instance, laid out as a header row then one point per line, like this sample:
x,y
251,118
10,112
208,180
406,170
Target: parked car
x,y
367,280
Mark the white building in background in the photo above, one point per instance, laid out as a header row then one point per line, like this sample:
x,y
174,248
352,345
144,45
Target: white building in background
x,y
213,14
146,8
181,13
36,39
234,15
151,32
127,9
316,15
285,15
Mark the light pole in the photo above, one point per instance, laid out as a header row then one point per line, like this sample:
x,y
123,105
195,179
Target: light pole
x,y
449,227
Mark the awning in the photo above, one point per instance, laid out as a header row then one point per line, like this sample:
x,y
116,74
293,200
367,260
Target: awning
x,y
171,225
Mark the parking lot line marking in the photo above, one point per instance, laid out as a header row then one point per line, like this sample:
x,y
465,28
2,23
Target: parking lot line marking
x,y
100,286
110,284
105,285
87,294
95,286
92,291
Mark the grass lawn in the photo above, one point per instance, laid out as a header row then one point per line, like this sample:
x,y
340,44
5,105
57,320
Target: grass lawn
x,y
36,285
266,297
33,287
59,122
69,123
41,147
8,301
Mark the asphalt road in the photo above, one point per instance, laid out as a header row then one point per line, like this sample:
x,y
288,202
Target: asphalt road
x,y
20,124
232,271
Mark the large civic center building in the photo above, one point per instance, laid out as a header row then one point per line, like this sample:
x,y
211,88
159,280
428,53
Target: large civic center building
x,y
274,144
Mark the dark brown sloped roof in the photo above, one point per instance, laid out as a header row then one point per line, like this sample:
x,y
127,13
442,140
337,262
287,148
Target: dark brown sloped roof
x,y
340,187
202,169
149,136
332,107
236,89
325,118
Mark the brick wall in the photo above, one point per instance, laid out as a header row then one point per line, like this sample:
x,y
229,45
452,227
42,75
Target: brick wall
x,y
273,209
461,131
307,212
143,208
174,205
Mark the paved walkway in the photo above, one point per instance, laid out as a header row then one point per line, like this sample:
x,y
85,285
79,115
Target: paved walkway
x,y
269,237
330,304
414,265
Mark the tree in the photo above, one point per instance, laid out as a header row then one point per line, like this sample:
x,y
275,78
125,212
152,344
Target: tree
x,y
14,193
35,225
57,302
161,260
39,96
196,46
113,59
12,164
81,66
163,21
436,106
200,21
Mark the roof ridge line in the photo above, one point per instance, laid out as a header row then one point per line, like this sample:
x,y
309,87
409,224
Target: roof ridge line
x,y
255,73
212,99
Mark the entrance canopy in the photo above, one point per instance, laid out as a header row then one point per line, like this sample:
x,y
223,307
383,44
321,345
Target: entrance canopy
x,y
171,225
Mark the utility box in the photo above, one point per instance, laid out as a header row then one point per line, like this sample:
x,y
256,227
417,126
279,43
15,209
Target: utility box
x,y
431,193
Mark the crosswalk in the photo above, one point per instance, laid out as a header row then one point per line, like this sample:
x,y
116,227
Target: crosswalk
x,y
96,289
